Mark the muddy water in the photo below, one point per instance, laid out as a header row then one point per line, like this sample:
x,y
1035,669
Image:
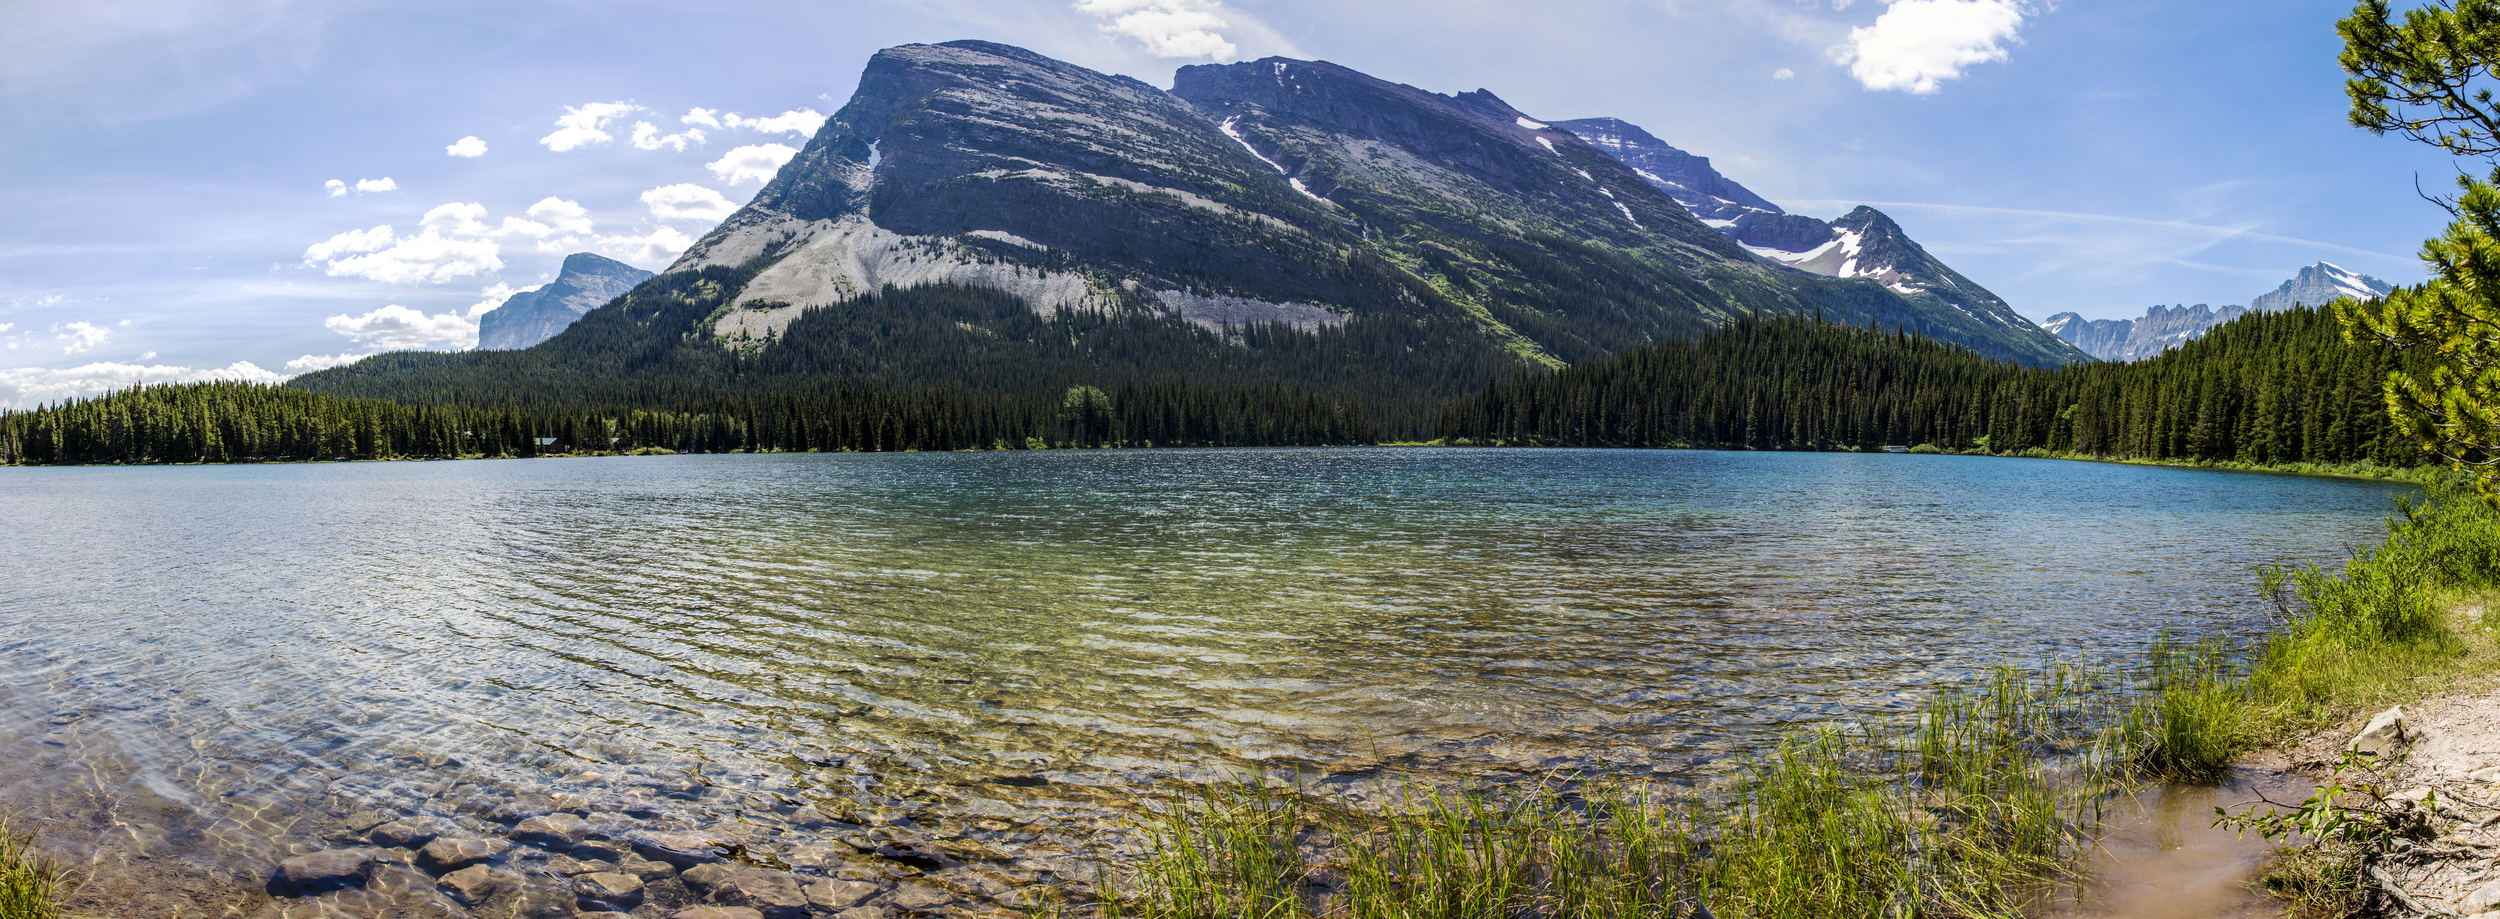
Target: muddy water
x,y
2162,857
970,671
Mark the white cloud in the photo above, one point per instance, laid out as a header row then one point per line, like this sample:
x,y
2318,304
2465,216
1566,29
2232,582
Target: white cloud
x,y
311,362
652,250
1917,44
582,125
82,336
27,387
466,147
1168,28
701,116
456,218
565,216
688,202
754,163
148,356
427,258
1783,74
5,326
647,136
398,328
802,122
351,241
336,187
373,185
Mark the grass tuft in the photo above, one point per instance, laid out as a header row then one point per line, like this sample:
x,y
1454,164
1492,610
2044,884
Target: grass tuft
x,y
29,887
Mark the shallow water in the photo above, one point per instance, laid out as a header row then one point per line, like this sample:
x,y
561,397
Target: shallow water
x,y
977,664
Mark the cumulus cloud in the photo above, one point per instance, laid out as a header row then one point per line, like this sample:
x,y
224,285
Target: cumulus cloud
x,y
1167,28
27,387
351,241
336,187
687,202
1783,74
466,147
647,136
753,163
398,328
1917,44
311,362
81,336
586,124
802,122
702,116
426,258
650,250
373,185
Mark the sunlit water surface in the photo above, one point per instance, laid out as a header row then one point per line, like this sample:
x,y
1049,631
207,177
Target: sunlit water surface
x,y
979,662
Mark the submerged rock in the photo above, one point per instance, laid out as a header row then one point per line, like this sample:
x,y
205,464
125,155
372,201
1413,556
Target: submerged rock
x,y
325,871
555,830
717,912
404,834
608,891
774,894
835,896
447,854
474,885
684,850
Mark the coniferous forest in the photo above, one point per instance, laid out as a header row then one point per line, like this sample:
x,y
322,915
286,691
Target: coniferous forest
x,y
2268,389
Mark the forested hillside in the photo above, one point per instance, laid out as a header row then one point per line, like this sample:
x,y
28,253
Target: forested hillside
x,y
2268,389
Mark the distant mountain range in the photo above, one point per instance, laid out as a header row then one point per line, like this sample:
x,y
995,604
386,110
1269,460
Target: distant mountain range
x,y
1275,221
2167,327
586,282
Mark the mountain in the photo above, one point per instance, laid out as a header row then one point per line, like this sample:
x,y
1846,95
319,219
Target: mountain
x,y
585,283
2167,327
978,213
1861,244
2321,284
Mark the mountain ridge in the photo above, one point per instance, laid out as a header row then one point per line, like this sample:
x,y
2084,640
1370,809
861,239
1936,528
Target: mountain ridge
x,y
2165,327
1294,222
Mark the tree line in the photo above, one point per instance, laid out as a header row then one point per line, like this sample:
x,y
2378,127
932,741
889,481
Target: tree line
x,y
2269,388
229,422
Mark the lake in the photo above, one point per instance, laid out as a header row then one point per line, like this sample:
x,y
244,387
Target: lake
x,y
975,668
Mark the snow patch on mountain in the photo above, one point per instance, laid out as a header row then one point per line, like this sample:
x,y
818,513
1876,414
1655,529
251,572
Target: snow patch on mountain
x,y
1230,130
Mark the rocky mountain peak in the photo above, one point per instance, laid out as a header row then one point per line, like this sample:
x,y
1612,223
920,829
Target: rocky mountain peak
x,y
586,282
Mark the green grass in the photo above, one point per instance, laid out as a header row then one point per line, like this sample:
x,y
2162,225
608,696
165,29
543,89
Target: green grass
x,y
29,888
1979,807
1976,806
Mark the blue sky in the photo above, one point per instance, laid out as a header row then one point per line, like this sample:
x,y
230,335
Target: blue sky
x,y
165,164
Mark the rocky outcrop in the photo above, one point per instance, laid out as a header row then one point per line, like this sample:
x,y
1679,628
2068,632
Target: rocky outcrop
x,y
586,282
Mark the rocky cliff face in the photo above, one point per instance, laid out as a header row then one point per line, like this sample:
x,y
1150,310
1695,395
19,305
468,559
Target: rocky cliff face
x,y
2167,327
1279,191
586,282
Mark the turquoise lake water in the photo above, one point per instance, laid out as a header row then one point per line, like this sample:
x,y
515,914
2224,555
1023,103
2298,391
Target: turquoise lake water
x,y
977,664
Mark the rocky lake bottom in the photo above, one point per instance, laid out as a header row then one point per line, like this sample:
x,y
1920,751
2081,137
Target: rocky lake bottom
x,y
860,686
